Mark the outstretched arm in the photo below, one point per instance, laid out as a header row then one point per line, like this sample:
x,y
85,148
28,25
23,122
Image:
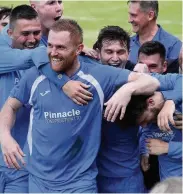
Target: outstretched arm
x,y
138,83
10,148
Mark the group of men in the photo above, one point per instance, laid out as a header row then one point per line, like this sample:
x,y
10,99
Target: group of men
x,y
71,123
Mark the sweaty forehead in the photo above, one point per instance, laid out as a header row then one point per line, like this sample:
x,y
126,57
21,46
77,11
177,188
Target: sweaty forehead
x,y
149,59
43,2
59,38
110,44
134,6
25,24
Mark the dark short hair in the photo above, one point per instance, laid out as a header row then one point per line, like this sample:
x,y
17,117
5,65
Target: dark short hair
x,y
151,48
22,12
112,33
5,12
148,5
135,108
76,32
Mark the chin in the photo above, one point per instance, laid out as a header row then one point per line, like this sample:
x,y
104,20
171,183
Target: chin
x,y
56,69
135,29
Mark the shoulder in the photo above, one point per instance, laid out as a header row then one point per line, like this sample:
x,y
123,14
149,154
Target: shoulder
x,y
31,75
132,38
167,37
88,60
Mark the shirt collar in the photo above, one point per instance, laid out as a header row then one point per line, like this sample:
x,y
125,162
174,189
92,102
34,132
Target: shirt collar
x,y
44,40
135,38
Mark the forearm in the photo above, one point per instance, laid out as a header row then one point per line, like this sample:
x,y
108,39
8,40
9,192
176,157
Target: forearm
x,y
7,118
145,85
14,59
175,95
169,81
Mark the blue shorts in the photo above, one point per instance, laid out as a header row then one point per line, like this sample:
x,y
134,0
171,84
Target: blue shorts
x,y
133,184
13,181
36,185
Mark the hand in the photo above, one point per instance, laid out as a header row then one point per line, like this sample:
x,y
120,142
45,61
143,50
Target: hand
x,y
166,115
118,102
144,160
141,68
156,146
11,152
178,120
90,52
77,91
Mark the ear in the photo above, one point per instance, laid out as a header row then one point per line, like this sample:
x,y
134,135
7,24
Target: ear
x,y
164,66
150,102
79,49
33,5
10,32
98,53
151,15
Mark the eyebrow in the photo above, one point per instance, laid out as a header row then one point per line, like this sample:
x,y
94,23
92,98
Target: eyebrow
x,y
149,64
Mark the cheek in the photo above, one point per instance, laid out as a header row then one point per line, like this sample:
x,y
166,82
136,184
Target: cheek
x,y
38,38
105,56
50,12
44,13
21,39
124,57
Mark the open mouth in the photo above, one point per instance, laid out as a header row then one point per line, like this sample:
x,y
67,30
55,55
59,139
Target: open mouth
x,y
30,46
57,18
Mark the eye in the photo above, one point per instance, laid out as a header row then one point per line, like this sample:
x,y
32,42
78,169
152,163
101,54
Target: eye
x,y
49,45
60,47
108,52
121,52
37,32
25,33
51,2
4,24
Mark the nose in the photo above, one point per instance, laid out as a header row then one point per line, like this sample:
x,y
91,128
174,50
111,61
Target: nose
x,y
115,57
53,52
59,7
31,38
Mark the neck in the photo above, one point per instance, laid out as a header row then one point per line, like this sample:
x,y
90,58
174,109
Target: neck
x,y
44,30
74,67
148,33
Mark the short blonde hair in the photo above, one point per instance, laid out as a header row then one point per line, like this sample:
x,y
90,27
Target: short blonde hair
x,y
170,185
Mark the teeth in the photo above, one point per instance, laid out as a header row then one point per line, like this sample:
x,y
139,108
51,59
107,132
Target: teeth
x,y
31,46
55,59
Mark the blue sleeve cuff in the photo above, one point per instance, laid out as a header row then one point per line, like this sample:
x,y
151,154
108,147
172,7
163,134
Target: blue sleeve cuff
x,y
172,95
